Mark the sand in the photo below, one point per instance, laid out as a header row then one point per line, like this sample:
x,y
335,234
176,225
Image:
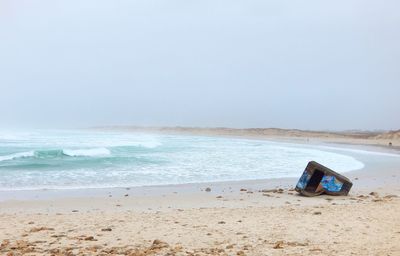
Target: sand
x,y
259,217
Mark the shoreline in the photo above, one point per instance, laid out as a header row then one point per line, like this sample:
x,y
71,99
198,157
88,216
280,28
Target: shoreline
x,y
356,151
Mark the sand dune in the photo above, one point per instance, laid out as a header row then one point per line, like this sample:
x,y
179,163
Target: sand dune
x,y
392,135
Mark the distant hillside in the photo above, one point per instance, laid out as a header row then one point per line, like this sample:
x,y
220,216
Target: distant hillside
x,y
392,135
381,138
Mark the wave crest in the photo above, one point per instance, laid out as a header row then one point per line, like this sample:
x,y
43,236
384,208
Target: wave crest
x,y
87,152
17,155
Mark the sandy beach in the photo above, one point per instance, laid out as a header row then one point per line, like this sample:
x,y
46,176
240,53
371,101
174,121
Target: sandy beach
x,y
196,128
253,217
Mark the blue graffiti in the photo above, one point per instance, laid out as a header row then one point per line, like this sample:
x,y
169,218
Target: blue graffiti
x,y
330,183
303,180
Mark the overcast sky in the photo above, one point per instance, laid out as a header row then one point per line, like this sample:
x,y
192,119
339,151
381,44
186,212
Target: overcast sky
x,y
290,64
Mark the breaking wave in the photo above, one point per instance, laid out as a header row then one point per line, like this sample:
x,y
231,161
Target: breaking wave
x,y
17,155
52,154
87,152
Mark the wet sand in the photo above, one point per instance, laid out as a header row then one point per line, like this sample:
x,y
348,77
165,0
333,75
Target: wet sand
x,y
256,217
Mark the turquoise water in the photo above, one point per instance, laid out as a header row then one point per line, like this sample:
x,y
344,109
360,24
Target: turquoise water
x,y
88,159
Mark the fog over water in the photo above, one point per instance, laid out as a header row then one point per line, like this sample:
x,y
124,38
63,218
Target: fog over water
x,y
291,64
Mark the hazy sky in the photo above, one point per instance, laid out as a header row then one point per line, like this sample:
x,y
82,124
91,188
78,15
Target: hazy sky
x,y
290,64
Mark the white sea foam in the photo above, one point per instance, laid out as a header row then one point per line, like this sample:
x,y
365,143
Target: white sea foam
x,y
87,152
17,155
124,159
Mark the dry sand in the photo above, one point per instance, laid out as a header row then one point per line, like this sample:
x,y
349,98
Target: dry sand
x,y
262,217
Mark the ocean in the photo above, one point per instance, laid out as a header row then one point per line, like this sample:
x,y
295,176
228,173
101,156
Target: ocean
x,y
71,159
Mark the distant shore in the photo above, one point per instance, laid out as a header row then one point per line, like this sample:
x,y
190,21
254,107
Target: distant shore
x,y
390,140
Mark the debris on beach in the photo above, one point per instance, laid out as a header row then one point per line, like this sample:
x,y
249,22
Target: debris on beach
x,y
373,193
89,238
318,179
33,230
278,245
275,190
158,244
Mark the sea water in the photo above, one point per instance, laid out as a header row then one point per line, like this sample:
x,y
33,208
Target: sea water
x,y
93,159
